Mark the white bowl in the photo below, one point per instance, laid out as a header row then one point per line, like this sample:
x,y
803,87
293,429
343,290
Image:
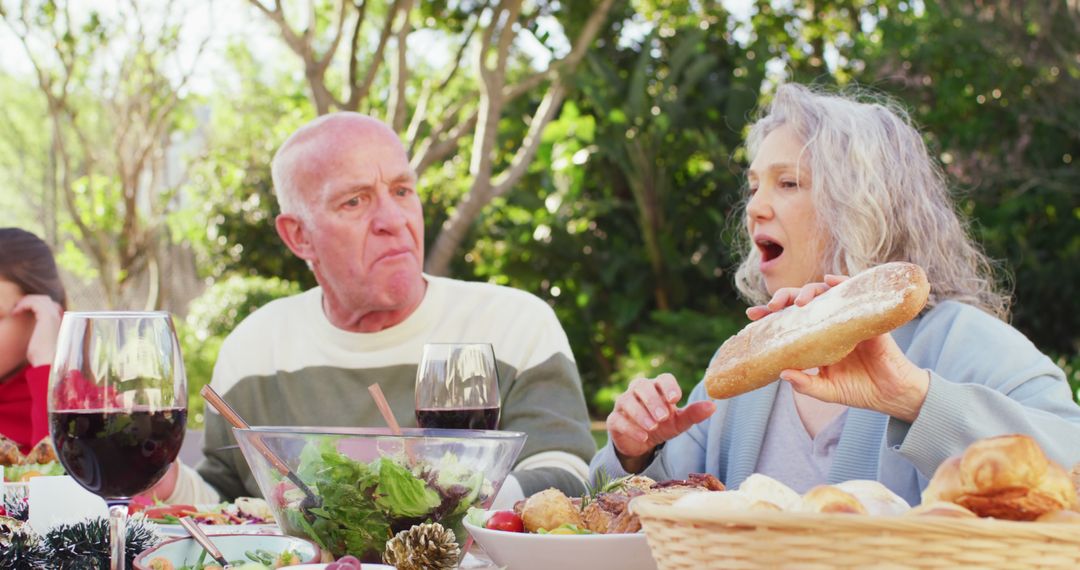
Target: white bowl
x,y
185,551
527,551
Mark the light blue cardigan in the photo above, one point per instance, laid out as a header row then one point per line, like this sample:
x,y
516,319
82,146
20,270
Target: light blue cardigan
x,y
986,379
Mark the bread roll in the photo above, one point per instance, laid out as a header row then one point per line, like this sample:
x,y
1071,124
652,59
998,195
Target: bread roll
x,y
1074,474
707,502
942,509
820,333
43,452
712,501
9,452
1069,517
549,509
764,488
829,499
877,498
1005,477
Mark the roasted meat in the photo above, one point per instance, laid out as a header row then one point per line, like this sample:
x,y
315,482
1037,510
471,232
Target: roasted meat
x,y
703,481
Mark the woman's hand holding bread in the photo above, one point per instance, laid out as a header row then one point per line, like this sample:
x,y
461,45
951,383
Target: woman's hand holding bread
x,y
646,415
875,375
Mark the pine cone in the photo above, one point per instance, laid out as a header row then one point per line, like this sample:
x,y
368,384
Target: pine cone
x,y
426,546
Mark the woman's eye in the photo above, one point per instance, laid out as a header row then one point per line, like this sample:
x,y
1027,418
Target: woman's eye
x,y
789,184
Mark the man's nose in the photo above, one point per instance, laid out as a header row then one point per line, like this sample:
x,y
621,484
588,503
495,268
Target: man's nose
x,y
389,216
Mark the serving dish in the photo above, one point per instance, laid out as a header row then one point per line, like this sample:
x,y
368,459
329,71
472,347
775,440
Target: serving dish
x,y
184,551
361,486
528,551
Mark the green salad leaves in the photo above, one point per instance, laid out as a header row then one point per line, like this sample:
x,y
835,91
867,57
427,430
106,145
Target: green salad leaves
x,y
365,504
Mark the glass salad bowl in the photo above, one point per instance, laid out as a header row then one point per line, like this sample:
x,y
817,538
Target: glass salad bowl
x,y
367,484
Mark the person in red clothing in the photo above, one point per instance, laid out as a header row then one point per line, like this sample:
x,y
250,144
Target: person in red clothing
x,y
32,300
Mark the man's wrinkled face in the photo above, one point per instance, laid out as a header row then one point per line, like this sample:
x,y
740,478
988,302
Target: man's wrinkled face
x,y
363,219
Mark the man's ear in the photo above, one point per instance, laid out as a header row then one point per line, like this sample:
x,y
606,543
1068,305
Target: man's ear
x,y
292,231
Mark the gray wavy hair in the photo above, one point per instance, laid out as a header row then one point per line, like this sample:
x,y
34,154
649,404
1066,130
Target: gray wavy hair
x,y
878,194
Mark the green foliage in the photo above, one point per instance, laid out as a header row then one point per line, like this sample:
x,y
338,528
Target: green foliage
x,y
1071,366
633,186
211,318
115,101
22,138
623,220
229,218
995,90
680,343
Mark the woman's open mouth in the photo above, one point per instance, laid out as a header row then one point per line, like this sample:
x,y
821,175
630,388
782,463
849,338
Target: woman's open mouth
x,y
770,249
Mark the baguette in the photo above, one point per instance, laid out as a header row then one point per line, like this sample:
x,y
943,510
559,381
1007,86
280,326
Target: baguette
x,y
821,332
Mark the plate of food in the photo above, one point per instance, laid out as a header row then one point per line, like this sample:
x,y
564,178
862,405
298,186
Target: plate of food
x,y
551,530
246,515
244,552
19,468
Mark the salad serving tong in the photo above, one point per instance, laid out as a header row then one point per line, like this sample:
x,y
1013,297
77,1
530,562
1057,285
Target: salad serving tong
x,y
193,529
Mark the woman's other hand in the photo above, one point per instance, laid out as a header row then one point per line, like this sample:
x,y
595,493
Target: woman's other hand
x,y
876,375
47,314
646,416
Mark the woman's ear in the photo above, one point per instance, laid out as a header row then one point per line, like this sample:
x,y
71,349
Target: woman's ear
x,y
293,232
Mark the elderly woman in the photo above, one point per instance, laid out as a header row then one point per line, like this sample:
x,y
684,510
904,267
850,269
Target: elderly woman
x,y
837,186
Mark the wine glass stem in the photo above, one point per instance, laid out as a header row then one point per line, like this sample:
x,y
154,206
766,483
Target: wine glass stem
x,y
118,512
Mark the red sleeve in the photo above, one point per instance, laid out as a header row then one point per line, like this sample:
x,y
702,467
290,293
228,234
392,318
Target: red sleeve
x,y
37,379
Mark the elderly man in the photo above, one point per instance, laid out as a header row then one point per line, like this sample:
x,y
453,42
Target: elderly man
x,y
350,209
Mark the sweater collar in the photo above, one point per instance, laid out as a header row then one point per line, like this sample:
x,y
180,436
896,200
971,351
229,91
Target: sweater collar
x,y
420,319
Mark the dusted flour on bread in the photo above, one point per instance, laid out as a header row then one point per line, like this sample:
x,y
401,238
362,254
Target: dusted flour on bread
x,y
820,333
836,305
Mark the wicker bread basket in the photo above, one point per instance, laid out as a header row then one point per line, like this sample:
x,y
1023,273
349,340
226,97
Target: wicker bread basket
x,y
805,541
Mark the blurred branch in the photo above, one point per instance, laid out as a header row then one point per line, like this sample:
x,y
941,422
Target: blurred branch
x,y
485,187
358,92
400,72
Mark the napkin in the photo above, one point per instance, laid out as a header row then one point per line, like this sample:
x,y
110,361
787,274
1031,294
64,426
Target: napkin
x,y
60,500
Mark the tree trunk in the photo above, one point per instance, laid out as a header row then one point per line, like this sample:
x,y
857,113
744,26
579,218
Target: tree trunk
x,y
453,232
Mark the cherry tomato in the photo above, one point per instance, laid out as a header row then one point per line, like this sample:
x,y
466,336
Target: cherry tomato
x,y
139,504
505,520
277,496
163,511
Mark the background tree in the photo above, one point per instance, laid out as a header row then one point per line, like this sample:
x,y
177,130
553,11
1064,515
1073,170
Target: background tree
x,y
228,214
629,180
111,107
994,85
437,115
634,186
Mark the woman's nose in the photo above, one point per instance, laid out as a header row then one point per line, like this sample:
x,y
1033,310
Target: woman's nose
x,y
759,207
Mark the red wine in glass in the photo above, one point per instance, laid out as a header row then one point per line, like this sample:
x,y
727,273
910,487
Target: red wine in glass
x,y
457,387
117,406
118,454
458,418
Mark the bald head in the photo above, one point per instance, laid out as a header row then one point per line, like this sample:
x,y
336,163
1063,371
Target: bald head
x,y
314,147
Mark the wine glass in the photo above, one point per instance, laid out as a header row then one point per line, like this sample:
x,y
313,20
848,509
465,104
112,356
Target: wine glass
x,y
457,387
117,406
